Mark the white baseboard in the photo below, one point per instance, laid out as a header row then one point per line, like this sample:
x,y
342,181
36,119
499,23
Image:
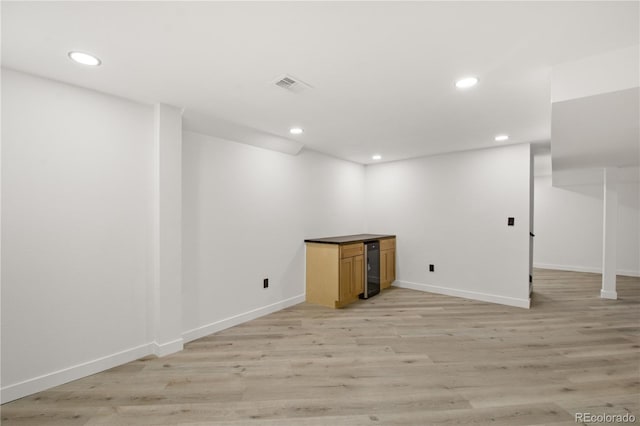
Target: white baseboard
x,y
164,349
492,298
223,324
594,270
46,381
571,268
628,273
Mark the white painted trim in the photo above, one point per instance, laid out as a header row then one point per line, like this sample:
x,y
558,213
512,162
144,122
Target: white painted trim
x,y
571,268
46,381
214,327
49,380
483,297
608,294
574,268
628,273
168,348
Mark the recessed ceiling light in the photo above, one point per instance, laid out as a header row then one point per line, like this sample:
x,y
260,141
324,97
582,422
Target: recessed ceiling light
x,y
465,83
502,138
296,131
84,59
377,157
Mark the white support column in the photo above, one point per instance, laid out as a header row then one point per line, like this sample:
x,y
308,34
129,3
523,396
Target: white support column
x,y
609,234
167,283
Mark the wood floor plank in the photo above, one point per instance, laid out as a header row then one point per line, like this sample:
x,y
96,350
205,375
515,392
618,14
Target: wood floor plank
x,y
401,358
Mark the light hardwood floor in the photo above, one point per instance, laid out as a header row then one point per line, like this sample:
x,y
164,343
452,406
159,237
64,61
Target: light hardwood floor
x,y
401,358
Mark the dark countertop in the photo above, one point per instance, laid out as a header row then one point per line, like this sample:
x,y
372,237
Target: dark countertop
x,y
348,239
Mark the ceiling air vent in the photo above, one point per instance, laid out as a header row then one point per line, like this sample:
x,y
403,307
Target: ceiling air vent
x,y
291,83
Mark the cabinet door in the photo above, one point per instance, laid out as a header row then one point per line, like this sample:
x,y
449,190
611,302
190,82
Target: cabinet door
x,y
358,276
391,266
384,283
346,278
387,267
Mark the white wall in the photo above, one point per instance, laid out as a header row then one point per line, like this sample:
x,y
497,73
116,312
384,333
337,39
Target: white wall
x,y
76,181
451,211
80,179
568,227
246,213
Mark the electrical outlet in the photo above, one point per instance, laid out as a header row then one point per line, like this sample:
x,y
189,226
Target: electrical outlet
x,y
265,283
511,221
432,268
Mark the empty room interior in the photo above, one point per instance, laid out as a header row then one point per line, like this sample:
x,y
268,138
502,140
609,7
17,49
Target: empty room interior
x,y
320,213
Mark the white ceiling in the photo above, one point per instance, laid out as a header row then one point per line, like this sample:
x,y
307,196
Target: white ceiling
x,y
382,73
